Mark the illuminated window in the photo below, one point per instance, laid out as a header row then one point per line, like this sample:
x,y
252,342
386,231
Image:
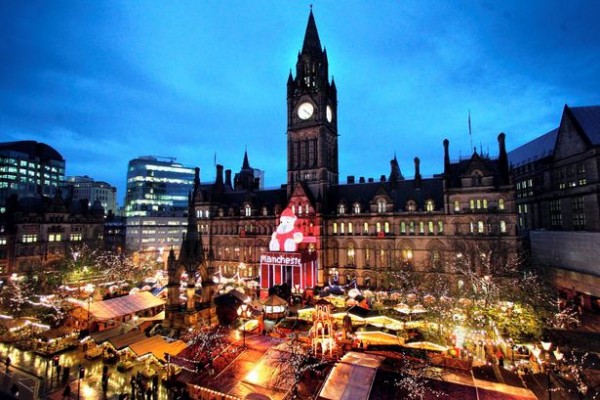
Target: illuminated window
x,y
381,205
403,227
32,238
335,228
456,205
76,237
351,253
480,227
350,227
472,204
341,209
440,227
54,237
378,227
248,210
411,205
501,204
421,227
430,226
366,227
356,208
503,226
342,228
429,205
386,227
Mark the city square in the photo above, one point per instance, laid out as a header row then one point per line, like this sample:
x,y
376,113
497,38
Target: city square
x,y
476,280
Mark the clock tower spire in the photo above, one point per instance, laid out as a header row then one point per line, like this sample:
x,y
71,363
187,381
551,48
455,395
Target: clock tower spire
x,y
312,118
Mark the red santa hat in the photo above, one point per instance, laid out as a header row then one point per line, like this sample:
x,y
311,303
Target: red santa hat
x,y
288,213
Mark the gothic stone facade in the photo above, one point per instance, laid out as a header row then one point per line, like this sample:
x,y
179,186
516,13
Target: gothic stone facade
x,y
363,229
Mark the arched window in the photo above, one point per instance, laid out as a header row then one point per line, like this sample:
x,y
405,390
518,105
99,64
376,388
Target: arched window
x,y
349,227
403,227
356,208
342,228
366,228
264,211
502,226
421,227
429,205
378,227
436,260
456,206
381,205
306,208
472,204
485,204
411,205
386,227
440,227
351,253
335,228
480,227
341,209
367,254
407,255
430,227
500,204
247,210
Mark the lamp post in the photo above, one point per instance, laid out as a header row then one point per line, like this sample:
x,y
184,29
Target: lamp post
x,y
81,376
545,364
244,313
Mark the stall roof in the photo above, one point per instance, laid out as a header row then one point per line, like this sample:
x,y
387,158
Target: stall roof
x,y
124,305
158,346
352,377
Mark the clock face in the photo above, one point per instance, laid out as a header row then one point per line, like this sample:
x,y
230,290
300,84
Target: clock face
x,y
329,114
305,111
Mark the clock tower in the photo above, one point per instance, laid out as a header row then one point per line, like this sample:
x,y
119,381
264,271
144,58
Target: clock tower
x,y
312,136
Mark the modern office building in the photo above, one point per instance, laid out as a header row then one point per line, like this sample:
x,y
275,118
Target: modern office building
x,y
157,184
86,188
29,169
158,190
363,229
558,201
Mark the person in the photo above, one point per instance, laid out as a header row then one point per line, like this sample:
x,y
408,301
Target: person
x,y
67,392
7,362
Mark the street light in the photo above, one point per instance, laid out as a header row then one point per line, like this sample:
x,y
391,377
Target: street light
x,y
81,376
244,313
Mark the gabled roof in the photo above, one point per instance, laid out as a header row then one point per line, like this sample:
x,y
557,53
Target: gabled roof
x,y
589,120
537,149
124,305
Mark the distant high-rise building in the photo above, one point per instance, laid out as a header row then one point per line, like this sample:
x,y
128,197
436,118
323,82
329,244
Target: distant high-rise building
x,y
156,205
156,185
86,188
29,169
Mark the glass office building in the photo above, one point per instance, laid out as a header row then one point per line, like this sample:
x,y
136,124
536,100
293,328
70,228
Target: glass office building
x,y
29,169
157,185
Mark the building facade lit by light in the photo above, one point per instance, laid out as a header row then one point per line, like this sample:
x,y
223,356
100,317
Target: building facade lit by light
x,y
157,184
29,169
86,188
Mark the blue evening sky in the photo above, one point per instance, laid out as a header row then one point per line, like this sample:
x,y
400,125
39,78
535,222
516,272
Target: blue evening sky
x,y
104,82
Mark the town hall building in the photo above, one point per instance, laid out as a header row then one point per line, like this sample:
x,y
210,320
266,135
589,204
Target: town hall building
x,y
363,230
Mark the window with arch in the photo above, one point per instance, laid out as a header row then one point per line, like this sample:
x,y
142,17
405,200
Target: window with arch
x,y
403,227
341,209
456,206
476,178
500,204
306,208
502,226
430,227
356,208
407,255
299,209
472,204
411,227
378,227
381,205
264,211
411,205
342,228
429,205
351,254
366,228
335,228
485,204
247,210
436,259
367,254
421,227
386,227
350,230
440,227
367,281
480,227
294,209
